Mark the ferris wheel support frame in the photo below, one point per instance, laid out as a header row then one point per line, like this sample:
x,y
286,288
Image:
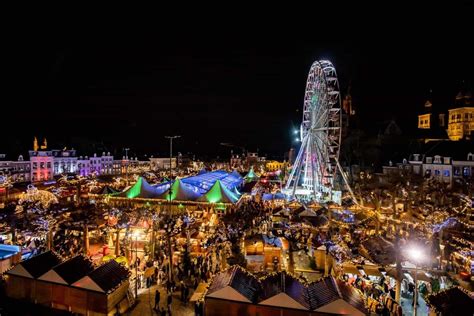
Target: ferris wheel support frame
x,y
320,134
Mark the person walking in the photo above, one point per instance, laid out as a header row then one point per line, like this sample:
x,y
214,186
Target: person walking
x,y
157,300
170,300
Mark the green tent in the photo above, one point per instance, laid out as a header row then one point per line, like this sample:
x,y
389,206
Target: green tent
x,y
141,189
179,192
251,176
218,193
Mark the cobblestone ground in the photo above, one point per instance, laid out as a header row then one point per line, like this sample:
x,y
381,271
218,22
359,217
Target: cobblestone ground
x,y
146,303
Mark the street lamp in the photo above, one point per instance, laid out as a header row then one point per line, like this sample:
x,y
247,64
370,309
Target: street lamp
x,y
169,214
136,234
295,131
416,255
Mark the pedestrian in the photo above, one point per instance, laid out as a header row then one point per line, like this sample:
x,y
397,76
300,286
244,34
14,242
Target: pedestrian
x,y
157,300
170,300
163,312
186,294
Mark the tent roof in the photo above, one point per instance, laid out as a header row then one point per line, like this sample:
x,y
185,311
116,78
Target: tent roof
x,y
219,194
180,192
202,171
251,175
141,189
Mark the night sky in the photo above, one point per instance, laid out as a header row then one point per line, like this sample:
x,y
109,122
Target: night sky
x,y
110,89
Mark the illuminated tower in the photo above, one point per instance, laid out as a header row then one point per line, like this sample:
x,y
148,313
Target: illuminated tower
x,y
35,144
425,118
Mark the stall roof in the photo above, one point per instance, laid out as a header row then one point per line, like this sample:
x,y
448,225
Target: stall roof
x,y
334,296
37,266
69,271
453,301
105,278
283,290
235,284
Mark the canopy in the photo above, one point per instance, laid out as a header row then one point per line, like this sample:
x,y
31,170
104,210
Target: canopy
x,y
180,192
219,194
251,176
141,189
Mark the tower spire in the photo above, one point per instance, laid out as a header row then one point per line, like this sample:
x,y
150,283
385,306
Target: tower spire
x,y
35,144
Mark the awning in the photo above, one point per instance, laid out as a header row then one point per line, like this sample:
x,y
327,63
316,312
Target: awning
x,y
351,269
199,292
372,270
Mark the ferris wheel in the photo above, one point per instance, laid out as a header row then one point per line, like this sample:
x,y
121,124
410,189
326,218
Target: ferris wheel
x,y
316,164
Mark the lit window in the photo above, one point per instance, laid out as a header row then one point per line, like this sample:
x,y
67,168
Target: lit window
x,y
446,173
437,172
465,171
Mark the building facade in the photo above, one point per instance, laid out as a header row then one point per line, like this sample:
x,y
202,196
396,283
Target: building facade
x,y
157,164
17,171
461,123
454,123
440,168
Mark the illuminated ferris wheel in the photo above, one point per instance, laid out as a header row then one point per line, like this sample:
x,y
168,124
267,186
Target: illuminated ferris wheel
x,y
315,168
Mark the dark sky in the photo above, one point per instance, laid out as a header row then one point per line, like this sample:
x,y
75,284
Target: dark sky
x,y
245,86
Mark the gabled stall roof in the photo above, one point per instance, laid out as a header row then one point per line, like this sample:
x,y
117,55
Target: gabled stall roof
x,y
283,290
235,284
219,194
329,295
69,271
105,278
35,267
453,301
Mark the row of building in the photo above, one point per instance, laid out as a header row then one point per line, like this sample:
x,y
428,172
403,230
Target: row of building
x,y
442,168
44,164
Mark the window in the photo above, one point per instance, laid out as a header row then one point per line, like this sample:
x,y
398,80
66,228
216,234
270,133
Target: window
x,y
446,173
437,172
458,116
49,165
429,160
35,165
465,171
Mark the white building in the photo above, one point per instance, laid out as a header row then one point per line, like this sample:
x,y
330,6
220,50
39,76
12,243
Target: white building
x,y
162,163
18,171
95,165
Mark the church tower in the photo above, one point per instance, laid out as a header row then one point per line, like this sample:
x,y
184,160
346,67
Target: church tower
x,y
425,118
